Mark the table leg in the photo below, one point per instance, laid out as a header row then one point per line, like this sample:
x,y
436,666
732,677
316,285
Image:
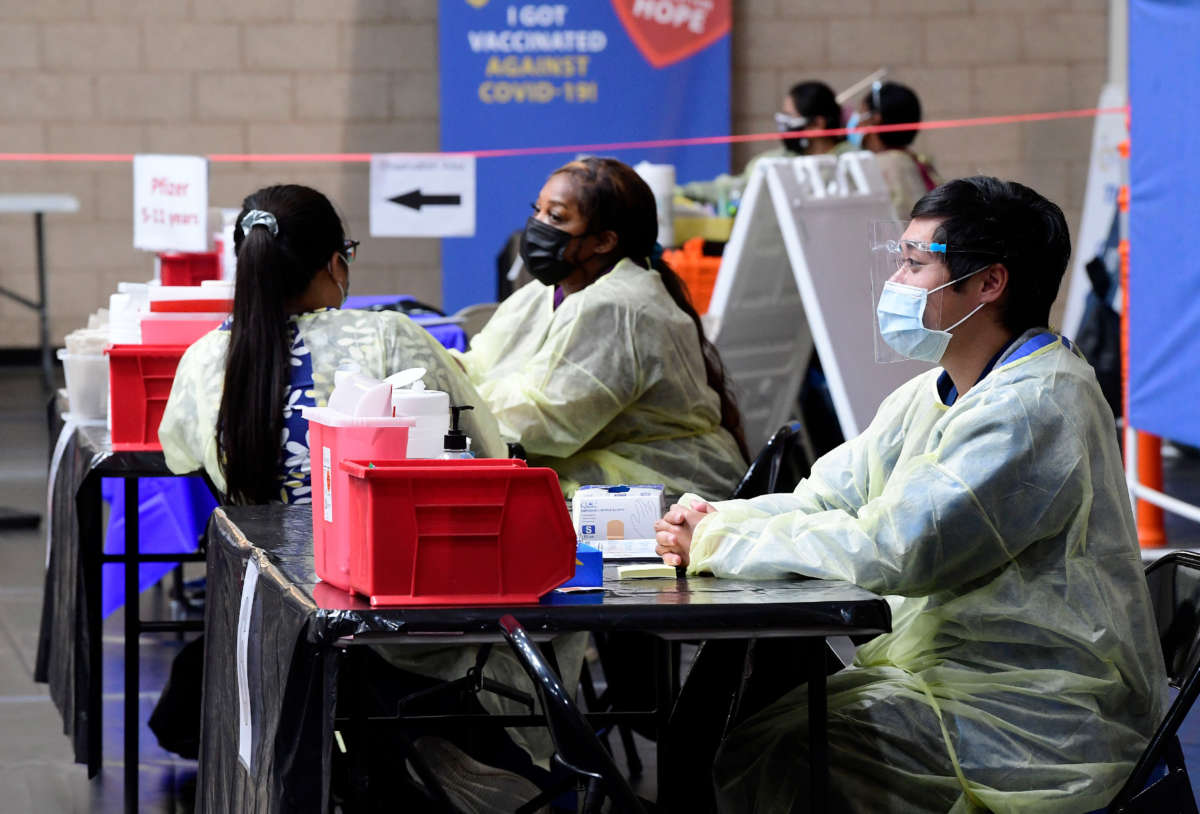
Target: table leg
x,y
818,736
91,550
664,682
43,315
131,645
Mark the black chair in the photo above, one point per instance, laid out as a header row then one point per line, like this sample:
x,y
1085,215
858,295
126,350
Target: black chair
x,y
780,465
1175,591
576,746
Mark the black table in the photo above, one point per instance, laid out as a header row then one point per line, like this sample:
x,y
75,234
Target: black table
x,y
297,626
69,656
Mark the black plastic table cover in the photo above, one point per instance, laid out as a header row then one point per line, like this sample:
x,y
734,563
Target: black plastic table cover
x,y
291,661
69,621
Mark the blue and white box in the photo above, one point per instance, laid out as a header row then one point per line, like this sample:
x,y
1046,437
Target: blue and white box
x,y
618,520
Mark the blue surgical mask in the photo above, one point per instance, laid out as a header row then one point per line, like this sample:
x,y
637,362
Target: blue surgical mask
x,y
855,139
901,315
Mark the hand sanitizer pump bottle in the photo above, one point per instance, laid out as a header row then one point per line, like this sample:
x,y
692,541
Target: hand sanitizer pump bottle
x,y
456,444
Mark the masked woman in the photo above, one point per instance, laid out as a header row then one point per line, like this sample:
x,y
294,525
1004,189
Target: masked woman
x,y
807,105
600,369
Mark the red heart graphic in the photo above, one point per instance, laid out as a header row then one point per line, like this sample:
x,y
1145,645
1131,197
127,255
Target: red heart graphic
x,y
666,31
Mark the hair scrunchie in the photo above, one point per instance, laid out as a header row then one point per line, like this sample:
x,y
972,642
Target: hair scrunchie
x,y
257,217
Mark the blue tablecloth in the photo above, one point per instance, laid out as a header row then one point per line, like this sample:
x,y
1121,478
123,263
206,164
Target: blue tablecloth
x,y
450,334
172,514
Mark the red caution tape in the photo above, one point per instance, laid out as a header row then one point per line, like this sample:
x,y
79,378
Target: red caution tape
x,y
615,146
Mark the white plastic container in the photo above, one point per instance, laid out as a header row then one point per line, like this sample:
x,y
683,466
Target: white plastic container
x,y
87,383
223,243
124,310
209,296
661,180
360,395
430,409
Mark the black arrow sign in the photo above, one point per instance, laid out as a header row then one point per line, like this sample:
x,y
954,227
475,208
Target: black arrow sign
x,y
415,199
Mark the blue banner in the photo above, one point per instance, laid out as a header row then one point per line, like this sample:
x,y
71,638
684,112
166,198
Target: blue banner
x,y
1164,176
593,72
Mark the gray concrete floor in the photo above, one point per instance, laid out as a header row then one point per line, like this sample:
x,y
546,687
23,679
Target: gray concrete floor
x,y
37,773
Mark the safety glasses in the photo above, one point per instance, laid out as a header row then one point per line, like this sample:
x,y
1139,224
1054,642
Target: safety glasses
x,y
350,250
913,253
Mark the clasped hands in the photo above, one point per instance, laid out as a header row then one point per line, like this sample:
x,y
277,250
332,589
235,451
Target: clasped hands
x,y
673,533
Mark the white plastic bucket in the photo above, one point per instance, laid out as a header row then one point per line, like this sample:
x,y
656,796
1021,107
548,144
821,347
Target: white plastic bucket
x,y
87,383
431,411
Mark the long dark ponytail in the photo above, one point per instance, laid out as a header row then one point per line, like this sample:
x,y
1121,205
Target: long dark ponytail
x,y
613,196
276,261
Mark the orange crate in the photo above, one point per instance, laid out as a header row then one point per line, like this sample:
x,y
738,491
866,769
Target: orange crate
x,y
697,270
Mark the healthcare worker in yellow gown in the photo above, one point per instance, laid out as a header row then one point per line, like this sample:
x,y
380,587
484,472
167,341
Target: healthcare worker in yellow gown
x,y
600,368
987,499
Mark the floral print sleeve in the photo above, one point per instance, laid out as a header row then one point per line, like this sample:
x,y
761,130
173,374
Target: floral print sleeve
x,y
295,475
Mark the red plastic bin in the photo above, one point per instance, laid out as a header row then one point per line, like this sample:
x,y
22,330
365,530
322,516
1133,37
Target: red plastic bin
x,y
188,268
457,532
139,382
333,436
178,329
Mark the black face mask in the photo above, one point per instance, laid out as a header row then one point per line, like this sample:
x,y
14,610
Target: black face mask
x,y
796,145
542,249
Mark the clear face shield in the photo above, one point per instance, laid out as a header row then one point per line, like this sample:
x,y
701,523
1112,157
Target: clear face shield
x,y
902,309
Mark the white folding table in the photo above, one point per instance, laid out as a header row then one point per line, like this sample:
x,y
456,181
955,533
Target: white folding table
x,y
38,206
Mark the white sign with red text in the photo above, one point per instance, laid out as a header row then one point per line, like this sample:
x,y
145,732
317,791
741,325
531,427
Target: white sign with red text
x,y
170,203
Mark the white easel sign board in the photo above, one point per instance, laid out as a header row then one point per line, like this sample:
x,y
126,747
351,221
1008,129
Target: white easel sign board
x,y
827,237
422,195
170,203
794,277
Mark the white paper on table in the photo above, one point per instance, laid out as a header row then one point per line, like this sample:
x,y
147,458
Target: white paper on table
x,y
245,723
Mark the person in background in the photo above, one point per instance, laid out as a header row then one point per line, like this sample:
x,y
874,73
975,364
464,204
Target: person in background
x,y
600,369
233,407
907,174
806,106
987,499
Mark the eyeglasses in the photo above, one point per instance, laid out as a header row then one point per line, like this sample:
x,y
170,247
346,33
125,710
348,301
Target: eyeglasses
x,y
350,250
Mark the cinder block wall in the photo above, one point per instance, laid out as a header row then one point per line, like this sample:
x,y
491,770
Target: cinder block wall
x,y
964,58
230,76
